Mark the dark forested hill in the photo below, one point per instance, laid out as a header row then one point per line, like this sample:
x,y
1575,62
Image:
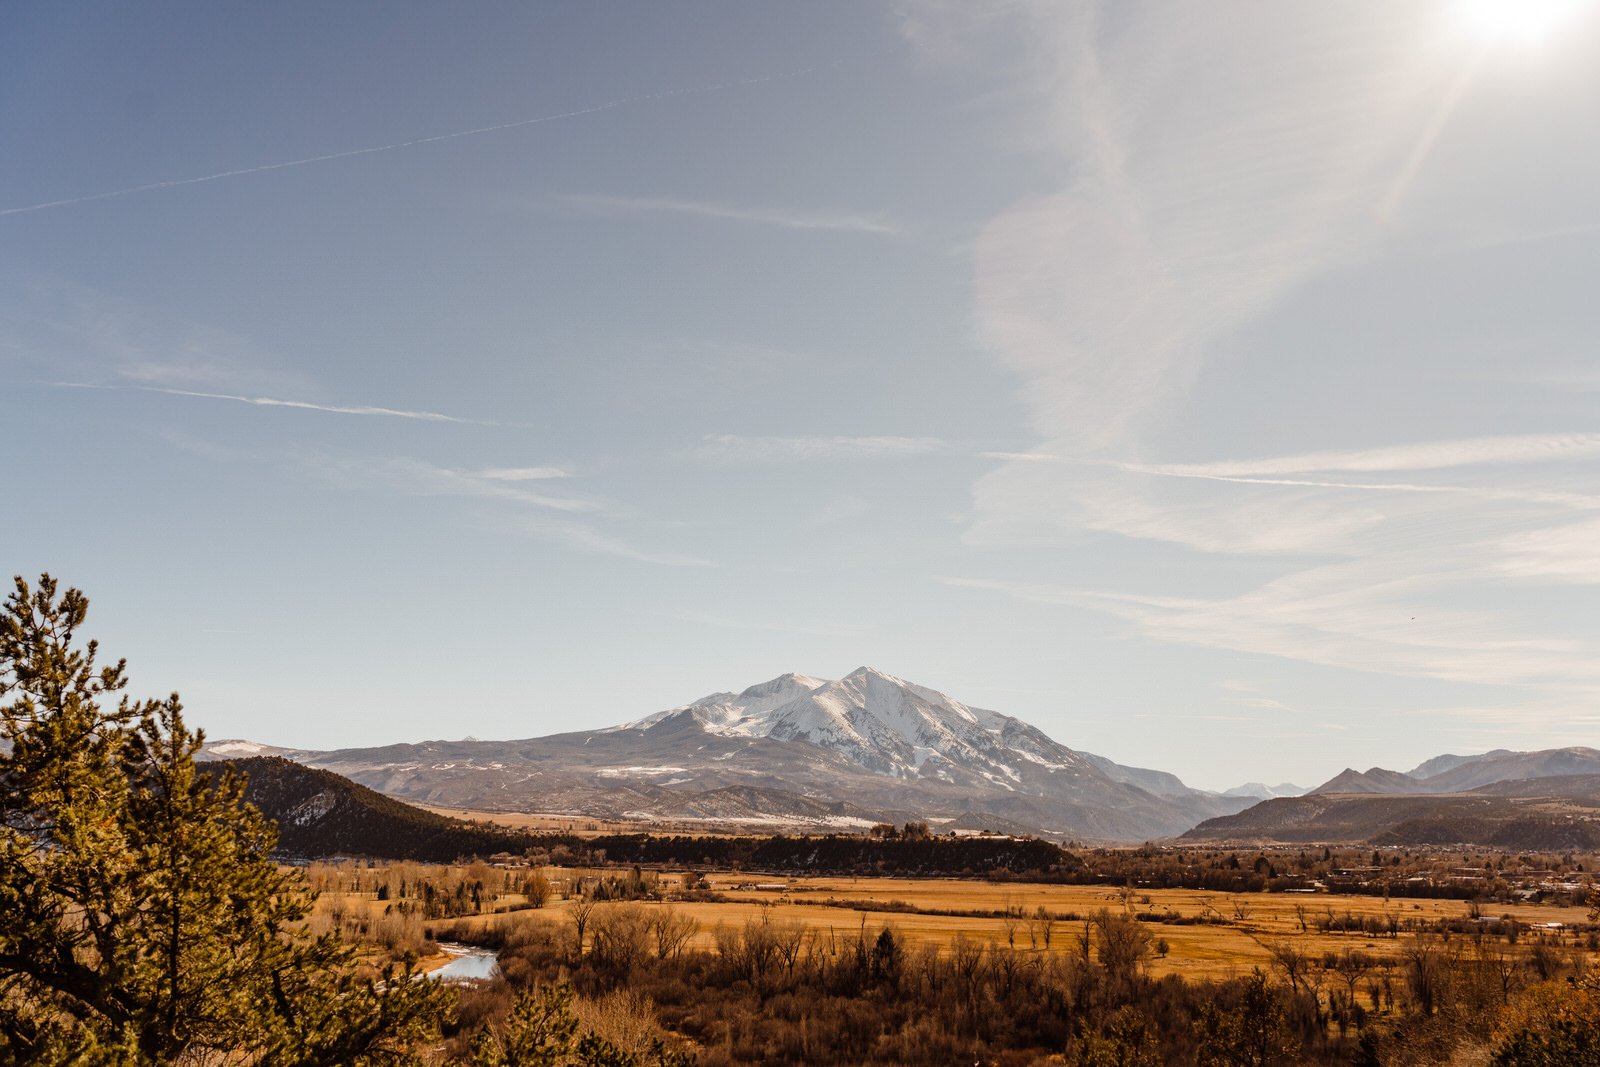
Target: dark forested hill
x,y
320,813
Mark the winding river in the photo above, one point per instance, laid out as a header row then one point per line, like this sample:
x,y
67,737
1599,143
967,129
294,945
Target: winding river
x,y
467,963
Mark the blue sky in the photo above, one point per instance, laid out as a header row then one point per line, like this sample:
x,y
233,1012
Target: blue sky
x,y
1215,387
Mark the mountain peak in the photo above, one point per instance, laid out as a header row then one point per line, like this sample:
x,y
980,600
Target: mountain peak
x,y
790,680
871,676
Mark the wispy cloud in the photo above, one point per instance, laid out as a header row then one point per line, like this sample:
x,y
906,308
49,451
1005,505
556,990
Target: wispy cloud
x,y
58,330
1360,615
1195,197
584,538
275,402
735,448
1566,555
522,474
784,218
416,477
1425,455
1534,496
419,477
1263,703
394,146
1023,457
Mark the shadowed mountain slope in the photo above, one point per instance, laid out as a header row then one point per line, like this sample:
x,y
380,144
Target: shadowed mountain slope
x,y
319,813
1555,813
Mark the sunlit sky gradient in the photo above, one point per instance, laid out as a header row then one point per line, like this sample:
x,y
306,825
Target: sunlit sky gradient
x,y
1213,386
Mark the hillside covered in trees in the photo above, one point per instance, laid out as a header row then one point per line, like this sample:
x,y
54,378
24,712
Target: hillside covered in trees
x,y
318,814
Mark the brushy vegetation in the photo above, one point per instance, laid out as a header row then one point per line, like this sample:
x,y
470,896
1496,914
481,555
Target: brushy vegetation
x,y
772,991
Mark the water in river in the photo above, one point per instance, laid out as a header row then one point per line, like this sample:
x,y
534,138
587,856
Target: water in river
x,y
467,964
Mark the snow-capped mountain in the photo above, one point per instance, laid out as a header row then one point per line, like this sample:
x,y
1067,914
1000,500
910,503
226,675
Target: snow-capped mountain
x,y
234,748
882,724
800,750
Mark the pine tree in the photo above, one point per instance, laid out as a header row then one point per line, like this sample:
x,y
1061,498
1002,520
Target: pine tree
x,y
142,919
540,1032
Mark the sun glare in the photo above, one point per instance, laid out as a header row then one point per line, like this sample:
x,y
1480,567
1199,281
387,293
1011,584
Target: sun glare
x,y
1520,21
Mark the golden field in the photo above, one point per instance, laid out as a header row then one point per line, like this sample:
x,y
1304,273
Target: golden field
x,y
1241,935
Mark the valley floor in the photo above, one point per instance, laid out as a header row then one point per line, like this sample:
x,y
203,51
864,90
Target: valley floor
x,y
1195,934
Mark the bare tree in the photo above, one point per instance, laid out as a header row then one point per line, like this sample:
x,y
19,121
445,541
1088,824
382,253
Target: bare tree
x,y
672,930
1426,971
1497,966
966,961
1041,928
1294,964
788,939
1085,938
1351,966
620,935
581,912
1123,944
1003,965
1011,917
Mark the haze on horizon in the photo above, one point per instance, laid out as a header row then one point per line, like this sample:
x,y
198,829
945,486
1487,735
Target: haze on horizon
x,y
1214,389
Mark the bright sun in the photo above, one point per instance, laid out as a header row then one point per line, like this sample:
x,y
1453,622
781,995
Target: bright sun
x,y
1523,21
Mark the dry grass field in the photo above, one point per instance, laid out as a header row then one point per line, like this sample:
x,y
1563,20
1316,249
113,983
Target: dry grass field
x,y
1240,933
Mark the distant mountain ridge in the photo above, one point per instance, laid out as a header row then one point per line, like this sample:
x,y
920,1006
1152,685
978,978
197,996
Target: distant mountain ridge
x,y
1261,791
1456,774
1550,814
798,751
1542,799
1440,764
1372,780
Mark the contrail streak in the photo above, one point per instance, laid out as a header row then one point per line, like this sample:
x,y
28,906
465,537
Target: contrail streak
x,y
273,402
1526,496
173,183
1531,496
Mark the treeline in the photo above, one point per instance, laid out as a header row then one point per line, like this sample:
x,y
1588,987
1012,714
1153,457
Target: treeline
x,y
836,854
1424,873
